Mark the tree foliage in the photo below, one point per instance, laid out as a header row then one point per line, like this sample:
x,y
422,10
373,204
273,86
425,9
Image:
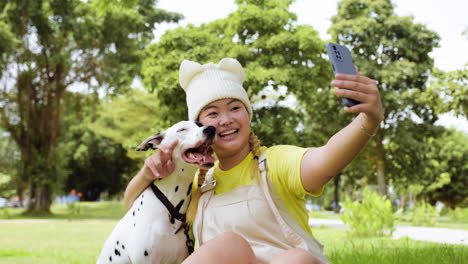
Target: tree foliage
x,y
49,46
449,158
393,50
129,119
448,91
89,163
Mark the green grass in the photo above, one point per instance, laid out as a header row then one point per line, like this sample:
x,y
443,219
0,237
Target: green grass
x,y
324,214
87,210
53,241
339,248
78,239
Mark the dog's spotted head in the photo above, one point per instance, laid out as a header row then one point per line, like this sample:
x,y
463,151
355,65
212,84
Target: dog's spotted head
x,y
194,145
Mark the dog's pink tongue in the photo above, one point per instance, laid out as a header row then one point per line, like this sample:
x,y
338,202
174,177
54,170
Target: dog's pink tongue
x,y
201,159
208,159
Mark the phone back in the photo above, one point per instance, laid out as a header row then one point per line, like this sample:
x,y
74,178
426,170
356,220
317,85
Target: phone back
x,y
340,58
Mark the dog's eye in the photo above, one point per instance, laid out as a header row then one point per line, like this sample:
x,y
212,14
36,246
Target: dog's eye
x,y
181,130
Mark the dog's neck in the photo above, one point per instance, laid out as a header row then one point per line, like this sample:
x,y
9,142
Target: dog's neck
x,y
177,186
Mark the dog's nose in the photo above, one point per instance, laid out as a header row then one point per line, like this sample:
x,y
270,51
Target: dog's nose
x,y
209,131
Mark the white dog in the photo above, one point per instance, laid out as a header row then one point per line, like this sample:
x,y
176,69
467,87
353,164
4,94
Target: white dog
x,y
154,229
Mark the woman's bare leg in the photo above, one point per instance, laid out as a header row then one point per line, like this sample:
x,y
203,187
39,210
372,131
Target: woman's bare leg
x,y
225,248
297,256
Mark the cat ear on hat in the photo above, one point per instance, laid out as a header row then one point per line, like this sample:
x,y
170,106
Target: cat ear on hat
x,y
188,69
232,65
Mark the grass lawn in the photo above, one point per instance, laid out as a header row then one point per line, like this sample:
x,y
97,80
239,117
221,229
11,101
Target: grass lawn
x,y
339,248
53,241
79,238
111,210
80,241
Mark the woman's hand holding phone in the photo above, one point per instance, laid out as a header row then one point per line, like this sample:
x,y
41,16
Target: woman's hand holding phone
x,y
359,94
362,89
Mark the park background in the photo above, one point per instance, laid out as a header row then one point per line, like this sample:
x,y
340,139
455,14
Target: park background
x,y
83,82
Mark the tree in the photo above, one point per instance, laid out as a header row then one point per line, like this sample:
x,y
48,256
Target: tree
x,y
50,46
394,51
449,160
98,164
89,163
277,54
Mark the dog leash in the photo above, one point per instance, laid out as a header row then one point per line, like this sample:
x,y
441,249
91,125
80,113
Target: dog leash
x,y
175,214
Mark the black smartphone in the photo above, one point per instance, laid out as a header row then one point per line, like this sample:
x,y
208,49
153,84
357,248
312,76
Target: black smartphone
x,y
341,61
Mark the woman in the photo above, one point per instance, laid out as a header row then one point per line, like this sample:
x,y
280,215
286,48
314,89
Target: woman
x,y
257,213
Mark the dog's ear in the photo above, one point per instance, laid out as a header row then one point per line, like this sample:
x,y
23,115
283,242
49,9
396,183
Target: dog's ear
x,y
151,142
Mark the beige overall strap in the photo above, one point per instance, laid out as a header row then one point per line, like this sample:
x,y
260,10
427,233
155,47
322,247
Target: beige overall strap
x,y
207,190
294,239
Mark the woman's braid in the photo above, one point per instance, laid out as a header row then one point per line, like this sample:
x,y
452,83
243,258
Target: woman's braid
x,y
193,206
254,144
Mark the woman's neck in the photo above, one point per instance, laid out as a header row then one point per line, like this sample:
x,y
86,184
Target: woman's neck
x,y
228,162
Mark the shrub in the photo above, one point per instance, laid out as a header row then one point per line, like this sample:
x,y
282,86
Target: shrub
x,y
459,214
370,217
73,208
424,214
5,213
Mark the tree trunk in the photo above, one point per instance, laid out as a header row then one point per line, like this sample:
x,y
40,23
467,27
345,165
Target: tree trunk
x,y
403,203
40,197
39,108
19,192
381,185
336,180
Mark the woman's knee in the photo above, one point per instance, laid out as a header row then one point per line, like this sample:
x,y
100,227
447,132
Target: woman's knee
x,y
235,243
296,255
232,238
226,247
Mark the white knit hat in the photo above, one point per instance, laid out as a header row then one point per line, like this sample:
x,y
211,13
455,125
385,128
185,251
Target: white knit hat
x,y
204,84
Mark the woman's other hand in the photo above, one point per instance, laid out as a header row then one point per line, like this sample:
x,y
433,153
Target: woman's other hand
x,y
160,164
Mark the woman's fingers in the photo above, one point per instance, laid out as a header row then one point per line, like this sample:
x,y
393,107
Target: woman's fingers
x,y
166,151
167,165
151,167
356,87
358,96
160,164
355,82
355,78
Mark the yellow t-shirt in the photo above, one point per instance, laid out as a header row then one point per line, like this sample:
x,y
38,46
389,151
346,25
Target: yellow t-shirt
x,y
283,170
